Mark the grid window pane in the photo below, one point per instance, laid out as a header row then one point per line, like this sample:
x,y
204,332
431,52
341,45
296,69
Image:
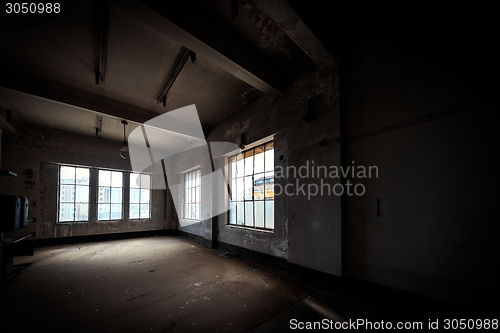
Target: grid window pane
x,y
251,178
110,195
146,181
116,179
67,175
269,157
73,194
144,212
135,180
270,214
192,195
249,213
144,196
67,193
269,185
82,194
248,162
240,213
135,195
104,195
232,196
81,211
259,214
239,166
239,189
103,212
82,176
258,187
248,183
116,211
140,196
66,212
116,195
232,161
134,211
104,178
232,212
259,160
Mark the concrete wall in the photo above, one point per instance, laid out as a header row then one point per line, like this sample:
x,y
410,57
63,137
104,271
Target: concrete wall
x,y
176,167
426,119
299,221
41,150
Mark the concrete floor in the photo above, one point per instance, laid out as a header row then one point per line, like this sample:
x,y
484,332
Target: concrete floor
x,y
160,284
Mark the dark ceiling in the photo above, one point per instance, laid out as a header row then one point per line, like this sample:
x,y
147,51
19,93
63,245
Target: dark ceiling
x,y
49,62
244,49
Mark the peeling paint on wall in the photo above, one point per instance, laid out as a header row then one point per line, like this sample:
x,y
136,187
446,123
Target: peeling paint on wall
x,y
44,139
280,249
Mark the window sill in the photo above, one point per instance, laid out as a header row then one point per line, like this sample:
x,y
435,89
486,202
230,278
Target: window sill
x,y
189,221
72,222
267,231
104,221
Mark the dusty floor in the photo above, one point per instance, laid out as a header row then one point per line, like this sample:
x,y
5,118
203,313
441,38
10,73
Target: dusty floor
x,y
159,284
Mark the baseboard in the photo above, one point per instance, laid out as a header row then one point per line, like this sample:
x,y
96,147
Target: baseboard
x,y
97,238
262,258
401,301
365,291
324,280
195,238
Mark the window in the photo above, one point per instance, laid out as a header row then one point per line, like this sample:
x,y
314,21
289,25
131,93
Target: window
x,y
192,195
110,195
251,176
73,194
140,195
74,189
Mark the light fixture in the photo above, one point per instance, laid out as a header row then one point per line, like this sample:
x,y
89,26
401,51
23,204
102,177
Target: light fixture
x,y
124,149
180,62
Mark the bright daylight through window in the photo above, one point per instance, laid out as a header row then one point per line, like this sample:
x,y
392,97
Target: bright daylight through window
x,y
251,176
192,186
140,196
73,194
110,195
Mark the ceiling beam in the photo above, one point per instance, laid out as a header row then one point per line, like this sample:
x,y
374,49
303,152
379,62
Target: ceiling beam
x,y
179,64
89,102
287,20
8,122
103,22
35,86
191,27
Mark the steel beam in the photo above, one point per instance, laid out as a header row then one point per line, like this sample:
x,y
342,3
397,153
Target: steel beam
x,y
190,27
287,20
103,20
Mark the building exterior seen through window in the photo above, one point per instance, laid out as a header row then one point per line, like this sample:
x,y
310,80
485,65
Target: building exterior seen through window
x,y
140,196
110,195
74,188
251,177
192,195
74,191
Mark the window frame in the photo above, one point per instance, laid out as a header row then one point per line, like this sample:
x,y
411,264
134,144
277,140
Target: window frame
x,y
131,219
184,175
59,185
110,203
93,195
261,143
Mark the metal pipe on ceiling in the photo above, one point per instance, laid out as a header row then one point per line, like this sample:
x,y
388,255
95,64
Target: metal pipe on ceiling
x,y
184,55
103,21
